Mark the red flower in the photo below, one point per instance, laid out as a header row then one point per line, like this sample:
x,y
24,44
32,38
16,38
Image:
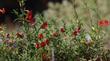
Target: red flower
x,y
47,41
44,25
37,45
40,36
62,30
30,17
100,23
103,23
77,31
43,44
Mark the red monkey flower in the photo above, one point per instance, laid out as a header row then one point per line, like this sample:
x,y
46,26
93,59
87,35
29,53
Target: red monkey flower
x,y
103,23
44,25
43,44
30,17
40,36
76,32
62,30
47,41
37,45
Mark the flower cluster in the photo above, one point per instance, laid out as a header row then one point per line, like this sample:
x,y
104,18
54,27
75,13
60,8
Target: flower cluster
x,y
7,38
103,23
60,38
42,44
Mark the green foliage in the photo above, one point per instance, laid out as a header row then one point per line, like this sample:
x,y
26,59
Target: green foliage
x,y
36,40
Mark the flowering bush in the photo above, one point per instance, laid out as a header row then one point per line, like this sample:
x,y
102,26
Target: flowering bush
x,y
46,41
43,39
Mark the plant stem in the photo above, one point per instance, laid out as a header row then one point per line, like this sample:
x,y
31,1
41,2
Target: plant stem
x,y
53,56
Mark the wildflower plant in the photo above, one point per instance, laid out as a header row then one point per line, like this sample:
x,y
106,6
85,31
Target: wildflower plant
x,y
43,39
